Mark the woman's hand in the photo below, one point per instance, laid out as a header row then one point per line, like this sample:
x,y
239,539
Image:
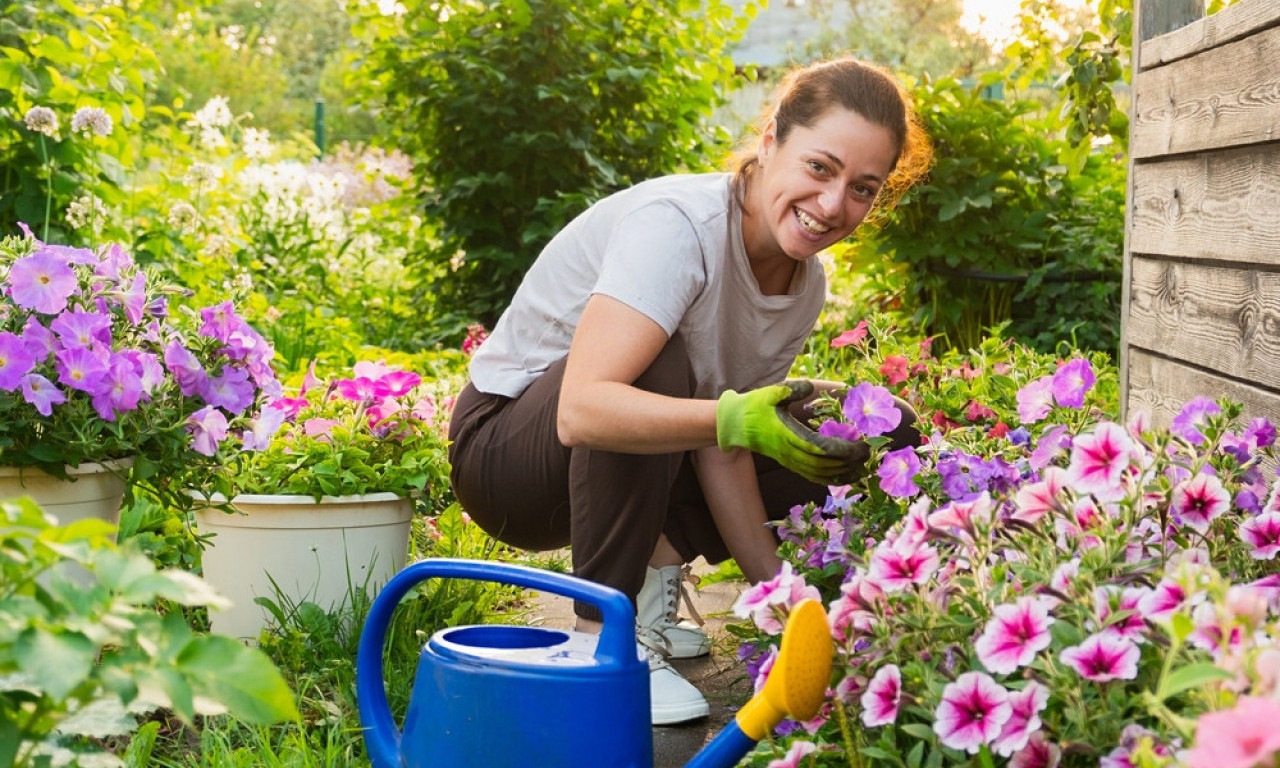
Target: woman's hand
x,y
760,421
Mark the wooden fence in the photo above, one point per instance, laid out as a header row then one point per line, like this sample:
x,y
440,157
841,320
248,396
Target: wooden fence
x,y
1201,303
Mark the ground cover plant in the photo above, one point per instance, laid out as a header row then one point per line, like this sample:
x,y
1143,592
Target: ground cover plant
x,y
1033,564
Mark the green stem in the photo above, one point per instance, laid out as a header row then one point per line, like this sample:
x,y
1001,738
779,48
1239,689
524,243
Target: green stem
x,y
48,190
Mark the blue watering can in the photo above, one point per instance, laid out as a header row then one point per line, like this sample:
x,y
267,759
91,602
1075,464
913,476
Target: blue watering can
x,y
493,696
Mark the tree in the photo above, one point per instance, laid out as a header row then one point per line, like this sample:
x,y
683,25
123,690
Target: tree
x,y
519,113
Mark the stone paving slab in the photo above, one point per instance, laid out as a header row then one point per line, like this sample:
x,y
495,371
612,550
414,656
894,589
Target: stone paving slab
x,y
719,675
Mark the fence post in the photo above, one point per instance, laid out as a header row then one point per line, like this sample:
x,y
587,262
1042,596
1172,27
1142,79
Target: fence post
x,y
319,126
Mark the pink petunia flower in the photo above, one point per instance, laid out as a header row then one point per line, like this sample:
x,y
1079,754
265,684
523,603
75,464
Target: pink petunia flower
x,y
1262,534
400,383
1035,500
1241,737
361,388
880,701
1102,657
871,409
1163,600
1035,400
1024,719
972,712
1014,635
762,602
1109,601
895,566
797,752
42,281
857,334
1039,753
894,369
1197,501
1099,460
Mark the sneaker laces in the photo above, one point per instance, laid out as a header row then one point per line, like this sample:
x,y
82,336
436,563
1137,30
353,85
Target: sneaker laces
x,y
655,648
676,590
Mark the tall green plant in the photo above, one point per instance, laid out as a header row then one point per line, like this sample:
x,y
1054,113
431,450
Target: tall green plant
x,y
521,112
66,60
1001,231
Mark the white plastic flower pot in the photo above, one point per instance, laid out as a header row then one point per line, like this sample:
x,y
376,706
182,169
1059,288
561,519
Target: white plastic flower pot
x,y
319,552
95,491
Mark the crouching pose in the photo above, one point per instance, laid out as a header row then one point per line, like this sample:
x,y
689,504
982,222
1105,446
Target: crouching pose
x,y
629,402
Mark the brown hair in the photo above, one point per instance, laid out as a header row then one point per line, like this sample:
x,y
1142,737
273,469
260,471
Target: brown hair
x,y
806,93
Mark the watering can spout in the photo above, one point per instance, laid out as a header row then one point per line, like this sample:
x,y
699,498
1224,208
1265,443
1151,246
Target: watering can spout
x,y
795,688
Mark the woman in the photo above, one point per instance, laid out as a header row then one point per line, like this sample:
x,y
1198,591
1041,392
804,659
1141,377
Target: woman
x,y
627,402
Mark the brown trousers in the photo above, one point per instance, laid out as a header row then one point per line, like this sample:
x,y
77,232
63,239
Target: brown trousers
x,y
526,489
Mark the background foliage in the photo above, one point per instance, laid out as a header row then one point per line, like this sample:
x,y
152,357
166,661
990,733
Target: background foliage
x,y
522,112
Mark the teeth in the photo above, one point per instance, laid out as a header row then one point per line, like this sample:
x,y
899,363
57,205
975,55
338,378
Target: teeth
x,y
811,225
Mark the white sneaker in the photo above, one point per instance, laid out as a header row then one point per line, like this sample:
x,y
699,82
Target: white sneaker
x,y
656,607
672,699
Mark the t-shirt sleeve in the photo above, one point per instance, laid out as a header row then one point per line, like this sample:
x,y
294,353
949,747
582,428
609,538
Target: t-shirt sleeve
x,y
654,264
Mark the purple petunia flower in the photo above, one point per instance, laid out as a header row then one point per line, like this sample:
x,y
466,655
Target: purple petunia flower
x,y
208,428
119,391
15,361
134,299
80,368
1192,417
230,390
896,472
41,393
833,428
78,328
186,369
1072,381
42,281
871,409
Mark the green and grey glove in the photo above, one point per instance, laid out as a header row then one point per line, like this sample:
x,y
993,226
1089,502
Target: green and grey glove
x,y
760,420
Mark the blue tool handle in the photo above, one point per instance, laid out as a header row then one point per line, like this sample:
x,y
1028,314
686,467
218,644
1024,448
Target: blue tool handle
x,y
725,750
617,644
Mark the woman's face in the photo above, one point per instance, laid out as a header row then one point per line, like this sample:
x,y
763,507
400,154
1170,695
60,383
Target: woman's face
x,y
812,190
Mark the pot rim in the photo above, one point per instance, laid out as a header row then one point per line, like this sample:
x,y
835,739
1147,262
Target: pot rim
x,y
282,499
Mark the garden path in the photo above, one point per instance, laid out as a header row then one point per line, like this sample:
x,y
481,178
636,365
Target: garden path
x,y
719,675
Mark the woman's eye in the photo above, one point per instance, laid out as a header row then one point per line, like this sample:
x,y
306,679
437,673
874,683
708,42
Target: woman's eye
x,y
817,167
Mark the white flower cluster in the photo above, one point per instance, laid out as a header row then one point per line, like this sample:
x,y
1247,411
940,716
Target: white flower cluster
x,y
210,119
42,120
87,211
91,120
202,177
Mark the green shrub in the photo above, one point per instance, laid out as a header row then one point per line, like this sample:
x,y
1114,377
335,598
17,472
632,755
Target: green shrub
x,y
1002,231
519,113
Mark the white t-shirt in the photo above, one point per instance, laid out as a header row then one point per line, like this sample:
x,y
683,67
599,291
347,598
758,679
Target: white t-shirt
x,y
670,248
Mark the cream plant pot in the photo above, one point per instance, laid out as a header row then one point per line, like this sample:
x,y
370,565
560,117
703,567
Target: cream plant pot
x,y
95,492
317,552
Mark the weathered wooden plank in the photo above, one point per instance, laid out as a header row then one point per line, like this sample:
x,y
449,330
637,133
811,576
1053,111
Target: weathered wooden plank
x,y
1219,205
1225,97
1229,24
1219,318
1161,387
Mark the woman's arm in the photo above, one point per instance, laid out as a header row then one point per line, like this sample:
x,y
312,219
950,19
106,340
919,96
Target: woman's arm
x,y
599,408
732,490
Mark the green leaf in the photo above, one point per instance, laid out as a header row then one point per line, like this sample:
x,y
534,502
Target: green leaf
x,y
241,678
918,730
57,662
1188,677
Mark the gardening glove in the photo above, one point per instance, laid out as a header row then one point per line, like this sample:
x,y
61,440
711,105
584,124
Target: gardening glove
x,y
760,421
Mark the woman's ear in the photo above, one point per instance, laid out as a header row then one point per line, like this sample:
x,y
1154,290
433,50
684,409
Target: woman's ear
x,y
768,143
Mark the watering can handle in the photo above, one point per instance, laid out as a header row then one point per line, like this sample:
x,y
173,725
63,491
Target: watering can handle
x,y
617,642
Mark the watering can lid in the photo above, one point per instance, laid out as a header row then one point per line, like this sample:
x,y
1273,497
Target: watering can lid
x,y
535,646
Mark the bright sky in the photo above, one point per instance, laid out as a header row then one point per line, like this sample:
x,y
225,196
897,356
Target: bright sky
x,y
996,20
